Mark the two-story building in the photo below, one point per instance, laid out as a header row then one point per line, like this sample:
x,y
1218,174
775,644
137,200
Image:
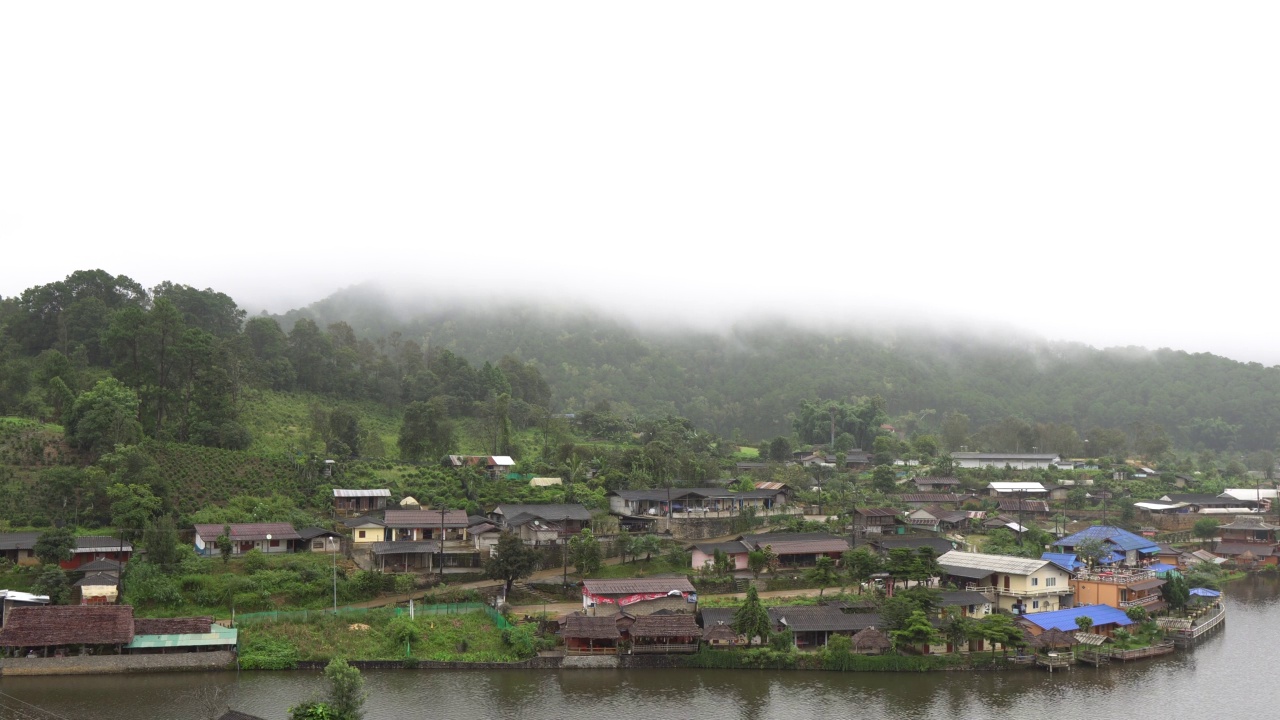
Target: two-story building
x,y
1121,546
1018,585
874,520
1248,537
1121,588
549,524
437,536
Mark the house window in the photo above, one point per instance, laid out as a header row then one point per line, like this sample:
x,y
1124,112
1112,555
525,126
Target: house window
x,y
317,544
1051,582
361,534
1035,604
1035,581
275,543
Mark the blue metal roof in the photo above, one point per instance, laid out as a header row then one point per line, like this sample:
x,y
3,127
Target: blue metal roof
x,y
1205,592
1066,561
1161,567
1065,620
1122,539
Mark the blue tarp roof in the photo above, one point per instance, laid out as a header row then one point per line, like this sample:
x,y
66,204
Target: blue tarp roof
x,y
1161,567
1065,620
1119,537
1205,592
1066,561
1111,558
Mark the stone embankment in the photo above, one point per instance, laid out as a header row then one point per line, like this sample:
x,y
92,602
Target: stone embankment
x,y
112,664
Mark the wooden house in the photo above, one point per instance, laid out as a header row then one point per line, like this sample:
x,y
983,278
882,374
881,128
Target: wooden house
x,y
590,635
1249,538
59,629
349,503
663,633
936,484
19,548
793,550
874,521
812,626
720,635
448,527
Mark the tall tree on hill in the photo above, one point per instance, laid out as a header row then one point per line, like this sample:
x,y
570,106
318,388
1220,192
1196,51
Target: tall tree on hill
x,y
104,417
425,431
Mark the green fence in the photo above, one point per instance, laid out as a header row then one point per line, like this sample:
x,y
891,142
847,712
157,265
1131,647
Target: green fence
x,y
356,613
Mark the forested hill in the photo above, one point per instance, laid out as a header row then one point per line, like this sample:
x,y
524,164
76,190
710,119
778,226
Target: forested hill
x,y
183,357
750,378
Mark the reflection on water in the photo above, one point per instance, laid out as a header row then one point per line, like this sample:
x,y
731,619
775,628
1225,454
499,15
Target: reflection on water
x,y
1204,683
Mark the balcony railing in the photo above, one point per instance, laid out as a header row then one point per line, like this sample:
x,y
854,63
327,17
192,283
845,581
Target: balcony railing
x,y
1118,577
1030,592
1139,602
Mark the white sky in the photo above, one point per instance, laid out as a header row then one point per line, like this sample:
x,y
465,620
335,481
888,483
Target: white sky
x,y
1102,172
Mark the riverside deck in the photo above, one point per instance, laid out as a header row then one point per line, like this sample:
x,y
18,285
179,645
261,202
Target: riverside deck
x,y
1201,627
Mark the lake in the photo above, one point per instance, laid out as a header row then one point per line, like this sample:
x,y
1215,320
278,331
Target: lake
x,y
1227,675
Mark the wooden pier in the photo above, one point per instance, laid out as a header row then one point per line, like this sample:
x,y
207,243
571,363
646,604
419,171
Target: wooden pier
x,y
1203,626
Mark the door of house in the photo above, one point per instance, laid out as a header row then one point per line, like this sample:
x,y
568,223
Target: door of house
x,y
1006,583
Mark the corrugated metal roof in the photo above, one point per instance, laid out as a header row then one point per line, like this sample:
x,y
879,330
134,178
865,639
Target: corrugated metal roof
x,y
248,532
1032,487
1065,620
425,518
990,563
1119,537
342,493
637,585
217,635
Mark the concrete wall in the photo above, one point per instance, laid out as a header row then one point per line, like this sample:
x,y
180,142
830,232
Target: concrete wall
x,y
111,664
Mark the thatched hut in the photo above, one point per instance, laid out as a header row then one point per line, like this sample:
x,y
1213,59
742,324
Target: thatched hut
x,y
720,635
1053,638
871,641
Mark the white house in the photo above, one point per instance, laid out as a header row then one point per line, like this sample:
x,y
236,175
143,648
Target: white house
x,y
1017,461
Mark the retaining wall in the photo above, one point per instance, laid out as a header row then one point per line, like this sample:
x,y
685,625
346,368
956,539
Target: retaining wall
x,y
112,664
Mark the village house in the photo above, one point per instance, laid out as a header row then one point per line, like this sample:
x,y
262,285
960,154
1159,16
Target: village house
x,y
496,467
638,596
923,500
684,503
1019,585
365,530
936,484
549,524
661,633
349,503
1015,489
1121,588
939,545
264,537
874,520
319,540
1106,620
10,599
1207,504
1248,538
95,589
1122,547
57,630
97,547
811,626
19,548
793,550
424,538
590,635
1017,461
1034,509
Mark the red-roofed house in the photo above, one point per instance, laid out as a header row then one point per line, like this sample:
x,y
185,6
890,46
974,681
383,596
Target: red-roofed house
x,y
267,537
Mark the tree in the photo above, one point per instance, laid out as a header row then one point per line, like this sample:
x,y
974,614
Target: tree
x,y
1205,528
916,631
647,544
861,564
884,479
133,507
780,449
584,552
225,546
160,538
823,573
512,560
1091,551
56,545
756,563
345,700
1000,629
346,690
104,417
1176,591
426,431
1084,623
751,618
958,629
625,544
52,581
